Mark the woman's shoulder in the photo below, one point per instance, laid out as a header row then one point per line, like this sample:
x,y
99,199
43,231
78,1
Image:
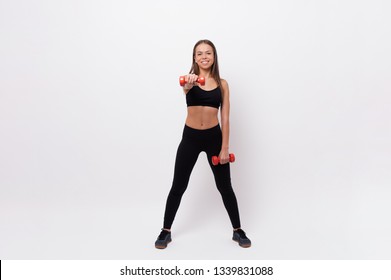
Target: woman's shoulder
x,y
224,84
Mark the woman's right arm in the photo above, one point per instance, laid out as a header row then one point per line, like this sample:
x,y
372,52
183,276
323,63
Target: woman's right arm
x,y
190,80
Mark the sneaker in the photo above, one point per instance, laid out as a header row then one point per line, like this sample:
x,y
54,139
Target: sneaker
x,y
240,237
163,239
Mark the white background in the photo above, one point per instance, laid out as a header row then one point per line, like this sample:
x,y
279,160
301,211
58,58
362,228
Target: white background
x,y
91,115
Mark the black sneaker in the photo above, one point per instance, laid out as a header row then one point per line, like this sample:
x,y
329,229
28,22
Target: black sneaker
x,y
163,239
240,237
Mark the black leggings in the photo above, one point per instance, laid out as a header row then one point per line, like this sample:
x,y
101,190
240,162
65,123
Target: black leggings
x,y
193,142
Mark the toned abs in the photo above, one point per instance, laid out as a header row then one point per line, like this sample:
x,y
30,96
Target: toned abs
x,y
202,117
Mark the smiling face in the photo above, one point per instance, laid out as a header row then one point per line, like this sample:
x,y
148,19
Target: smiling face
x,y
204,56
204,60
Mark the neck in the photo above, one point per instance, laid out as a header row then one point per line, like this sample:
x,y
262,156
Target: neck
x,y
205,73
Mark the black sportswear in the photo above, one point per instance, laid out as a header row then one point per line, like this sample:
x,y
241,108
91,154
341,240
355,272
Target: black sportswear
x,y
194,142
196,96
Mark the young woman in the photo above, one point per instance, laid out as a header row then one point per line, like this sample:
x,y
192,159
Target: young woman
x,y
202,133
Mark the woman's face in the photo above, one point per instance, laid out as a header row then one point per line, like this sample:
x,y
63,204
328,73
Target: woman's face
x,y
204,56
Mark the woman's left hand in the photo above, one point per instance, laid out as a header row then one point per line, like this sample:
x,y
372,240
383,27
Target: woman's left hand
x,y
224,156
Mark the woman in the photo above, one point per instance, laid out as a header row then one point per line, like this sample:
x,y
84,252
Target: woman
x,y
202,132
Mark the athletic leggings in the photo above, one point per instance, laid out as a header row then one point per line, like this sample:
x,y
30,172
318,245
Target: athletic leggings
x,y
194,141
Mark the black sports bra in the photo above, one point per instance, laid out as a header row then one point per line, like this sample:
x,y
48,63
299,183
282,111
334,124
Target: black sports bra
x,y
199,97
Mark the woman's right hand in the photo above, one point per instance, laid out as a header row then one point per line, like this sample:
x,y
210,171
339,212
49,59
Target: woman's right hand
x,y
191,80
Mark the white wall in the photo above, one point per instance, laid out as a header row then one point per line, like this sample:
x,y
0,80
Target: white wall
x,y
91,115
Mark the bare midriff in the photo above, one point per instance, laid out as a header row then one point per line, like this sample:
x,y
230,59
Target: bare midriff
x,y
202,117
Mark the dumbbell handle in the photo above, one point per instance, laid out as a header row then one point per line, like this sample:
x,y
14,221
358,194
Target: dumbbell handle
x,y
216,159
200,80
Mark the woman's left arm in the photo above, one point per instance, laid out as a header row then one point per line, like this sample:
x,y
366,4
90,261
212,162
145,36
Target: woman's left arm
x,y
225,106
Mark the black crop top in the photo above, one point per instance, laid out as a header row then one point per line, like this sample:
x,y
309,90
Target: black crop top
x,y
199,97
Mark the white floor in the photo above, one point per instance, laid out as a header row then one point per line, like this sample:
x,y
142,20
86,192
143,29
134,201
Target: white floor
x,y
113,227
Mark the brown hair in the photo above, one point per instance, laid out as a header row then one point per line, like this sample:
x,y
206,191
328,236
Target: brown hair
x,y
215,67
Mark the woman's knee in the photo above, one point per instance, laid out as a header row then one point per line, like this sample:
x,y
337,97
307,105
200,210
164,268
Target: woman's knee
x,y
177,190
225,188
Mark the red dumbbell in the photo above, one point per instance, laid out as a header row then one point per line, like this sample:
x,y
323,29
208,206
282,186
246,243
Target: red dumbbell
x,y
216,159
200,80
